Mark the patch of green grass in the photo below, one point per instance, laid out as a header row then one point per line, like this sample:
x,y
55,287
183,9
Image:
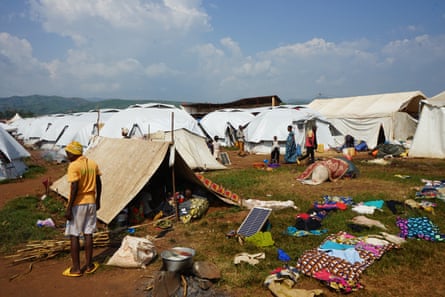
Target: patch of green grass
x,y
33,171
18,221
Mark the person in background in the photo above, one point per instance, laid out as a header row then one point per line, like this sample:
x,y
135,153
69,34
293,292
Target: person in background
x,y
216,147
310,144
209,142
84,201
291,148
240,138
275,154
124,133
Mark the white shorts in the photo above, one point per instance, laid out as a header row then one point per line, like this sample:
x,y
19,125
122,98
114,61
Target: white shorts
x,y
83,222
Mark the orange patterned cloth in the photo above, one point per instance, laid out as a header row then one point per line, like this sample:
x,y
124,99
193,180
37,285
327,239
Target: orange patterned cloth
x,y
218,189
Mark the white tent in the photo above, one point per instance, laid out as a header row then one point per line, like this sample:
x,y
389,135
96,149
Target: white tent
x,y
31,130
192,148
274,122
142,120
79,127
16,117
216,123
429,140
12,154
366,117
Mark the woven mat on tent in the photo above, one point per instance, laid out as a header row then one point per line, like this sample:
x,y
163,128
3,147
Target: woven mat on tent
x,y
336,167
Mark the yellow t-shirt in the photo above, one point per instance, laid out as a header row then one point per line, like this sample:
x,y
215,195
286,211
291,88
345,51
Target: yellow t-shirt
x,y
84,171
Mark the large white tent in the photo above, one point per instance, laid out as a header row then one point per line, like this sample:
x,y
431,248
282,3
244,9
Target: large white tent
x,y
79,127
218,123
429,140
274,122
31,130
390,115
12,154
142,120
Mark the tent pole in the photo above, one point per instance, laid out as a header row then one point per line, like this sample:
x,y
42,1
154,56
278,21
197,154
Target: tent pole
x,y
98,121
172,143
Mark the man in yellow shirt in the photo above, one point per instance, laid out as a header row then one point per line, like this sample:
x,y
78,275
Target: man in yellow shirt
x,y
83,203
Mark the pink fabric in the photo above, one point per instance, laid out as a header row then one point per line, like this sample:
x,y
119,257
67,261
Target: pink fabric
x,y
336,167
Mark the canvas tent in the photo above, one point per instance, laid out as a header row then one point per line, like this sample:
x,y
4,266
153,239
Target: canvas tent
x,y
127,165
12,154
390,116
429,139
274,122
192,148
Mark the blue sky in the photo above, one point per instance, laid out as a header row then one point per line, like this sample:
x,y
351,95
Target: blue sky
x,y
221,50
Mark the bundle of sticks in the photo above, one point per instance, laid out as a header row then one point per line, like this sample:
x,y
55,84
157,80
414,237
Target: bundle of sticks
x,y
47,249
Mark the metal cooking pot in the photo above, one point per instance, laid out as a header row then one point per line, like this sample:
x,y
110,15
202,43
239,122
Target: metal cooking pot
x,y
178,259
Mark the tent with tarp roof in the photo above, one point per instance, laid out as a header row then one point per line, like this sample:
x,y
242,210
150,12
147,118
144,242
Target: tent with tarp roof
x,y
128,165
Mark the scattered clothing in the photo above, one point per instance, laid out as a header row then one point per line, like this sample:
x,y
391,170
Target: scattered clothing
x,y
252,259
421,228
362,220
261,239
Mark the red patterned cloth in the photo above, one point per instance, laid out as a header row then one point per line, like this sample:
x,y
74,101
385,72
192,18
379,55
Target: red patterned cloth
x,y
336,167
218,189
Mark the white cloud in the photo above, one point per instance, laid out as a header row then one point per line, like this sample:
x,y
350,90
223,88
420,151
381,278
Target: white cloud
x,y
155,49
159,70
88,21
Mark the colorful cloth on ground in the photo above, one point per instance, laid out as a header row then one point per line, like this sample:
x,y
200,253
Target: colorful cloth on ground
x,y
336,168
193,208
345,200
292,231
261,239
422,228
343,275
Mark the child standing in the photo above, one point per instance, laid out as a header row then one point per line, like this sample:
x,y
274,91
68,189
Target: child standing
x,y
275,154
216,147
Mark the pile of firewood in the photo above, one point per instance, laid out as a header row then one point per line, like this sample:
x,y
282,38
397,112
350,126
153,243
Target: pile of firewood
x,y
47,249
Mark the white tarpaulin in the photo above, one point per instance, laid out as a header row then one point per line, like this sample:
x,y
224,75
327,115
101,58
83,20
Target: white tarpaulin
x,y
216,123
429,140
363,117
12,154
274,122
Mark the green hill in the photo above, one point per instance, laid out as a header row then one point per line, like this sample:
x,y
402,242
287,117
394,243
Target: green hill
x,y
36,105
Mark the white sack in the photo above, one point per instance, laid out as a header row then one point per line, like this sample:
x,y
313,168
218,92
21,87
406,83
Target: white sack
x,y
134,252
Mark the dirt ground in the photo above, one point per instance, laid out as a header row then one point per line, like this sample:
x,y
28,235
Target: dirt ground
x,y
44,278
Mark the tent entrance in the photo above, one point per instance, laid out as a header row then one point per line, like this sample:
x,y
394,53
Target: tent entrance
x,y
381,139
